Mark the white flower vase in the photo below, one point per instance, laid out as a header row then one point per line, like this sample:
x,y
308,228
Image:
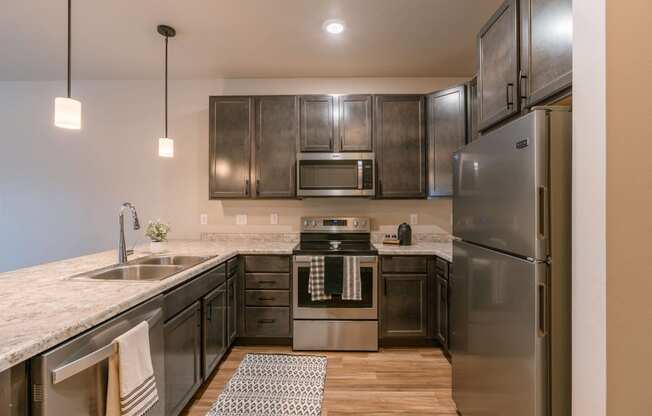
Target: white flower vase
x,y
157,246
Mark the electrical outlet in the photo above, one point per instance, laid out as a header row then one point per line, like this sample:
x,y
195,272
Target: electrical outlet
x,y
203,219
241,219
273,218
414,219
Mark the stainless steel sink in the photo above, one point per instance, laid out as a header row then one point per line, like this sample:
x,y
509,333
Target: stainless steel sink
x,y
132,272
169,260
145,269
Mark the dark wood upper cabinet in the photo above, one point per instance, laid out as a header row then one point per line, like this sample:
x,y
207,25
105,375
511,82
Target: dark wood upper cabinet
x,y
317,123
230,129
275,146
446,134
498,74
355,123
472,110
399,132
546,49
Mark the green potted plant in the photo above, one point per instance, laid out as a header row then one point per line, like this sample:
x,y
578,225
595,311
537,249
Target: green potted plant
x,y
157,231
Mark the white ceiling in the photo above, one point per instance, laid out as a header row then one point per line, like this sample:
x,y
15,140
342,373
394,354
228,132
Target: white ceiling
x,y
117,39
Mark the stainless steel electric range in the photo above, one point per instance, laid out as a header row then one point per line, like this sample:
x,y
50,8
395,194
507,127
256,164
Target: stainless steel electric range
x,y
335,324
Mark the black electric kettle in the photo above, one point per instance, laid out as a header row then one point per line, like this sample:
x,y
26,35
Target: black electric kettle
x,y
404,234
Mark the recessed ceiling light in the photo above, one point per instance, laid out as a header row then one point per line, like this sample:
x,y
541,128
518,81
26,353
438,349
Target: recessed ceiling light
x,y
334,26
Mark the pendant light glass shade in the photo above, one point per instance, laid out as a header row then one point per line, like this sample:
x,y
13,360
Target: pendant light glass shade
x,y
67,113
165,147
165,144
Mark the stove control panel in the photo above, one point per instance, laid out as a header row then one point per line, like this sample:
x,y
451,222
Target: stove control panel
x,y
335,225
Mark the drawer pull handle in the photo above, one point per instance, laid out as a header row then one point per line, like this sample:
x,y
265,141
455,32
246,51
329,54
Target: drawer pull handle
x,y
267,282
266,321
266,299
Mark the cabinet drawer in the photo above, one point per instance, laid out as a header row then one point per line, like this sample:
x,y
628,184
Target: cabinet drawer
x,y
267,322
184,295
441,267
233,266
267,298
267,264
404,264
267,281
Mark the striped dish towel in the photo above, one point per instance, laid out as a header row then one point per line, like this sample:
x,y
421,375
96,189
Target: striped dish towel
x,y
316,279
351,285
132,385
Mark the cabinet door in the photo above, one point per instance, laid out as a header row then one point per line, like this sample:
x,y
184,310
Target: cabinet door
x,y
232,314
441,321
317,123
230,132
400,146
214,328
498,66
182,358
404,306
472,110
275,146
355,123
546,48
446,134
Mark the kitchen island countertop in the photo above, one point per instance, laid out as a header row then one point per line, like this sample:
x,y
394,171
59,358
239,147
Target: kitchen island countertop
x,y
42,306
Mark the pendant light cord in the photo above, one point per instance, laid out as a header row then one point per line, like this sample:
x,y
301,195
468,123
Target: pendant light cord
x,y
69,31
166,86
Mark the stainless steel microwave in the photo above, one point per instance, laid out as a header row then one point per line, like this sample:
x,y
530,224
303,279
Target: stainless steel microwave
x,y
336,174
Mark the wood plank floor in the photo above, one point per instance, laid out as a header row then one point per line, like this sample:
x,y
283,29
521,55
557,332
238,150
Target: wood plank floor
x,y
405,381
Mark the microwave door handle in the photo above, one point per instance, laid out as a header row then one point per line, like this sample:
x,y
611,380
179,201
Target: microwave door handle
x,y
360,174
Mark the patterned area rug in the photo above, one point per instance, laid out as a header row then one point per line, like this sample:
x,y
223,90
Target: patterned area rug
x,y
274,384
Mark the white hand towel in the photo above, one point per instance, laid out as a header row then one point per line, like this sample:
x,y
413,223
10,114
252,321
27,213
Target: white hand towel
x,y
351,288
131,386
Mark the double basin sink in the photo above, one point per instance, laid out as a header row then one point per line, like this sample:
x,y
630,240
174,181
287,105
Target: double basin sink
x,y
145,269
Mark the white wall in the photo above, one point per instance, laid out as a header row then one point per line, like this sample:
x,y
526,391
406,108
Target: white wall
x,y
60,190
589,209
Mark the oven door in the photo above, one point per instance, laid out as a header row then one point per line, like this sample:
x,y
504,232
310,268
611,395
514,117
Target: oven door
x,y
336,308
335,174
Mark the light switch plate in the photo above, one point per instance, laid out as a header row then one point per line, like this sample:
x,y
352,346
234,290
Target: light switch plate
x,y
273,218
203,219
414,219
241,219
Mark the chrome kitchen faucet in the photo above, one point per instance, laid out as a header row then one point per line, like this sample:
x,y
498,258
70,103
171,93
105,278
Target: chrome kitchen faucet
x,y
122,248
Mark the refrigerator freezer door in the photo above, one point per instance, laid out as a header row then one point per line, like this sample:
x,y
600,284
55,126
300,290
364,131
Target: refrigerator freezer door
x,y
499,333
501,186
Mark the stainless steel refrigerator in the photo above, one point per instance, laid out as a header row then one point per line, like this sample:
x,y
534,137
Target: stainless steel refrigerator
x,y
511,280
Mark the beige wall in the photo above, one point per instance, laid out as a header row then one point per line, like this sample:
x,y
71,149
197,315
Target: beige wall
x,y
60,190
629,207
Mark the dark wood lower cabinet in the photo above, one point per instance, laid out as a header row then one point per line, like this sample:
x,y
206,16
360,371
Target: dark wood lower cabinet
x,y
232,314
404,306
441,326
182,358
415,301
214,328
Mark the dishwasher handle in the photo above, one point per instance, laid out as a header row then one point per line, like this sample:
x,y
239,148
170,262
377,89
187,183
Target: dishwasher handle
x,y
66,371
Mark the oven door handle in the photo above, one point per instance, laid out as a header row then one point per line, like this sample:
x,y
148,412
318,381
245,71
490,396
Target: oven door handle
x,y
360,174
365,261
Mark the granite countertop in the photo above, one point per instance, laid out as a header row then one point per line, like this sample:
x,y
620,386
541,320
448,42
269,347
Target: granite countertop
x,y
42,306
419,248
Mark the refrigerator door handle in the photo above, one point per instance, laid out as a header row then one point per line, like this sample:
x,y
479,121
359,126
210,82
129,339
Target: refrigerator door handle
x,y
542,196
543,310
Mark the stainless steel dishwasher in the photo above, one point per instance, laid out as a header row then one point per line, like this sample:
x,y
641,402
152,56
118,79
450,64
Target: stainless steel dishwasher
x,y
71,379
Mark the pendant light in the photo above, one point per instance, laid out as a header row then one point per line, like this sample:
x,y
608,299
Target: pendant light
x,y
67,111
165,144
